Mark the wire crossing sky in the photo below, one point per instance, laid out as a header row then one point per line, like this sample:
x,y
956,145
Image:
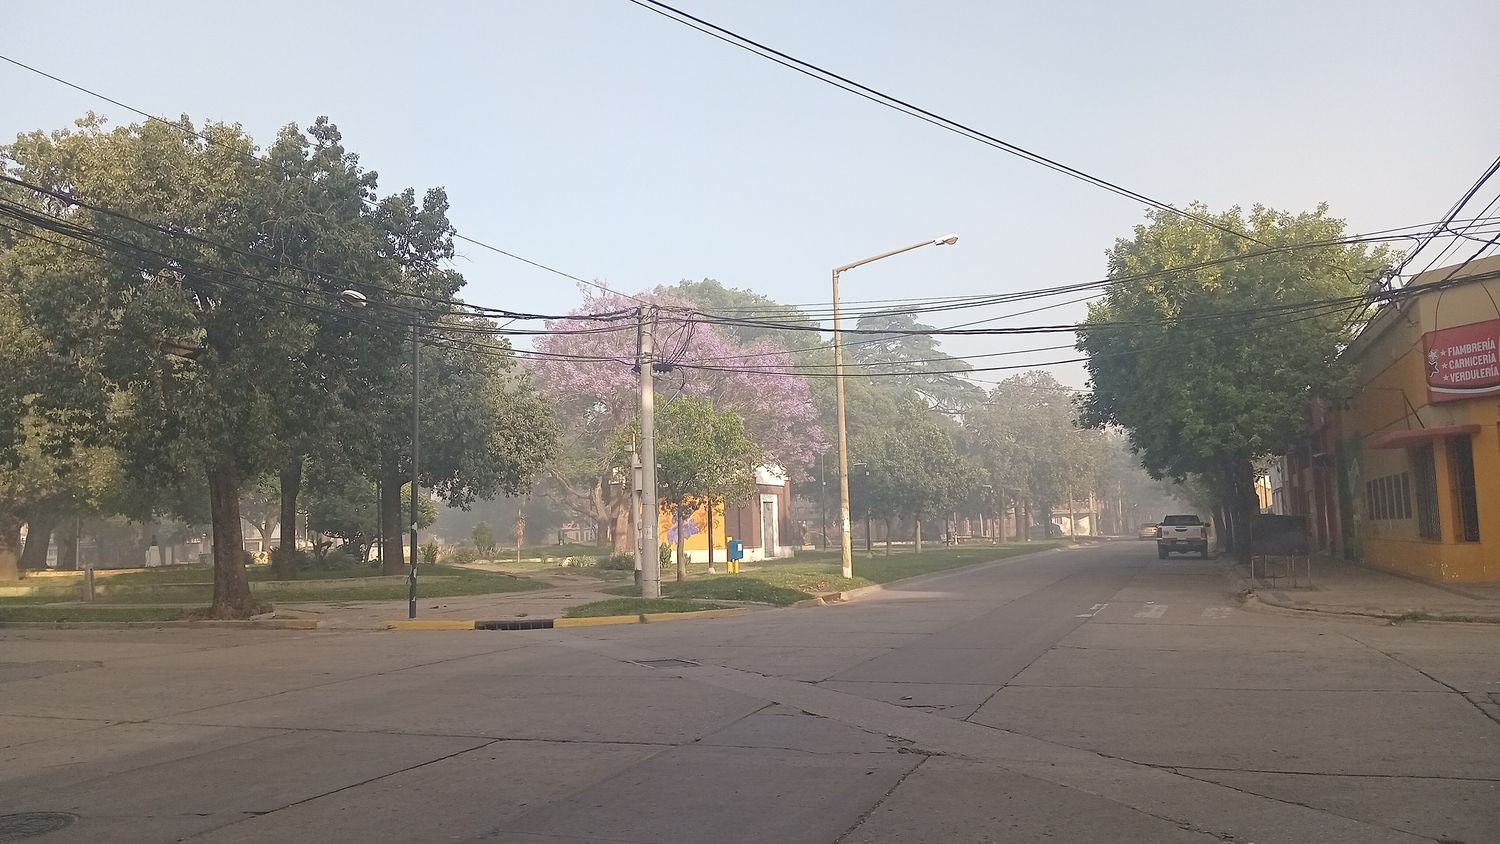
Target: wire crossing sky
x,y
624,150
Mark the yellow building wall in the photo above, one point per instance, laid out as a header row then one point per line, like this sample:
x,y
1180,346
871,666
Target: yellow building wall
x,y
1394,397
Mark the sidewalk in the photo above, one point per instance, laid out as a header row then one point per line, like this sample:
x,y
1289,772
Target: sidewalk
x,y
1345,588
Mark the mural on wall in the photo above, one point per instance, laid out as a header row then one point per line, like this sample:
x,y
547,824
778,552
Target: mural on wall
x,y
693,527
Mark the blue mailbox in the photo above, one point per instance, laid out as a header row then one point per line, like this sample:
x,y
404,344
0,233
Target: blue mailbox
x,y
736,550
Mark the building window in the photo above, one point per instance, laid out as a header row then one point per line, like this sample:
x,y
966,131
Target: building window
x,y
1461,462
1424,482
1388,497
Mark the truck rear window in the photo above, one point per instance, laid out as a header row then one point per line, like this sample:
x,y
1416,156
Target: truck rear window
x,y
1182,520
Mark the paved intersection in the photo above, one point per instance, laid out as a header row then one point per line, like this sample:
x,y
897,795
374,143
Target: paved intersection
x,y
1085,695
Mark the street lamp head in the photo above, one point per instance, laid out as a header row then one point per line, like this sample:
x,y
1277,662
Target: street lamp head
x,y
355,297
945,240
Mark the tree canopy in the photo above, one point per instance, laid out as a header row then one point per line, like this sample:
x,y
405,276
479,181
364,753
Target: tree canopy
x,y
1210,367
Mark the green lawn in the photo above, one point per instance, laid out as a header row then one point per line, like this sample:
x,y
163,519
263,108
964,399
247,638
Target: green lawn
x,y
788,580
725,587
91,613
194,585
636,606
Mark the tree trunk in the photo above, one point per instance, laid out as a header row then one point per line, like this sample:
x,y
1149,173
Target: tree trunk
x,y
681,562
232,598
38,538
520,529
10,545
392,548
710,535
918,532
887,537
1246,505
67,544
284,563
619,525
1025,524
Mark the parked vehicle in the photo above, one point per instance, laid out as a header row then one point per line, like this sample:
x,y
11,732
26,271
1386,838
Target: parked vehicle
x,y
1149,530
1180,534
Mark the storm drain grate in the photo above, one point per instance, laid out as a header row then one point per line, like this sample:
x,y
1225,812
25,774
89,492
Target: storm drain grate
x,y
32,824
666,663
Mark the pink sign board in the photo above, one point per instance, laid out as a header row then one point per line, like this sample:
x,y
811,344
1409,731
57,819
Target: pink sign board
x,y
1463,361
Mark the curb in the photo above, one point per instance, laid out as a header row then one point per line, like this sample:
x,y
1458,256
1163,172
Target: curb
x,y
559,623
253,624
1254,600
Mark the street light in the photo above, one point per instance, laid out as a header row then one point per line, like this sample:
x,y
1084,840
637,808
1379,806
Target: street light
x,y
359,300
845,540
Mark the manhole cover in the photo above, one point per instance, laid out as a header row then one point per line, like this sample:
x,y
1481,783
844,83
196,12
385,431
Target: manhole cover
x,y
32,824
665,663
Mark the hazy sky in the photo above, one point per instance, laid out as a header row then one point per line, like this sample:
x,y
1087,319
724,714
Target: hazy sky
x,y
608,142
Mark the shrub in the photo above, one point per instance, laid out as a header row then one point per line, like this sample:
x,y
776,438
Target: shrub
x,y
460,556
340,559
429,553
616,562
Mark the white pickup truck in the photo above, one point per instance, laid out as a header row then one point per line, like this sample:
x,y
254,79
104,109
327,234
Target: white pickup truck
x,y
1182,533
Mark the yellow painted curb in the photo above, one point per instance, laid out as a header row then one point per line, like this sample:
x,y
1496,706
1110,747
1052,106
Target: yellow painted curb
x,y
297,623
598,620
683,616
431,624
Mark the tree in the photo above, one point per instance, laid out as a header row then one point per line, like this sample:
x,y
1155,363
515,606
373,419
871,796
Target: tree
x,y
1211,367
589,374
911,360
199,301
705,457
484,539
1029,443
486,431
912,468
342,504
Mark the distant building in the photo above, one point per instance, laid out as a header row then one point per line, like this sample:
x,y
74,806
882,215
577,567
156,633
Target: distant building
x,y
763,523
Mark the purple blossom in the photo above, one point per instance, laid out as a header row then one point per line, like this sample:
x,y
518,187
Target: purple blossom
x,y
591,373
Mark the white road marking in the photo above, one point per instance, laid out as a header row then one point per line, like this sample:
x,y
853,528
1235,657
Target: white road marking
x,y
1093,611
1218,612
1152,610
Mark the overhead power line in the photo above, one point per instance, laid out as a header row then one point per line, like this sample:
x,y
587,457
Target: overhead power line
x,y
209,140
844,83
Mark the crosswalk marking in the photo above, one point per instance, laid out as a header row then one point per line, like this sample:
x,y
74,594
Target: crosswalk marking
x,y
1093,611
1152,610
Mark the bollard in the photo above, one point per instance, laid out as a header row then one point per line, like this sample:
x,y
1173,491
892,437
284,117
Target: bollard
x,y
88,583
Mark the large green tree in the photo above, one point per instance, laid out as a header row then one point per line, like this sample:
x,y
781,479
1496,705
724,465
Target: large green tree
x,y
704,458
912,467
1028,441
1211,367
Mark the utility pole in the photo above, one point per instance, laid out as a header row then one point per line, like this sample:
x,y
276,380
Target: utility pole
x,y
416,438
650,559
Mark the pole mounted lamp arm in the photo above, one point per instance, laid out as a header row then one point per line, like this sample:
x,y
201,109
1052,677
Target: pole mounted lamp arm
x,y
945,240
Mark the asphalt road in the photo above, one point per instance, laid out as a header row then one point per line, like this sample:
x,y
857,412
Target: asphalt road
x,y
1076,696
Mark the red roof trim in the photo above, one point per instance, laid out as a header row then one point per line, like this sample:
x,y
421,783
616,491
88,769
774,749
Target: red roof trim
x,y
1402,439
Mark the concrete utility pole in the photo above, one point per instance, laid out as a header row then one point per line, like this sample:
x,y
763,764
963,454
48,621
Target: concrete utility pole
x,y
416,445
650,559
846,541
